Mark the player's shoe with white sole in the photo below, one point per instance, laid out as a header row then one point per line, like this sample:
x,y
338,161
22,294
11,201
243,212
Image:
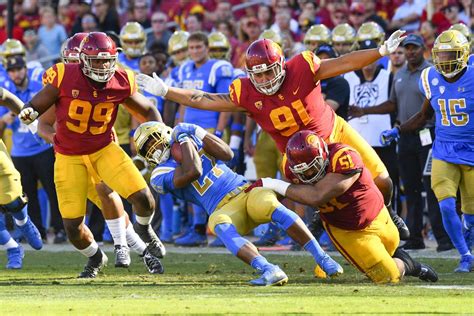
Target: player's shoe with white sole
x,y
15,257
271,276
122,256
152,263
466,264
32,234
427,273
330,267
93,268
153,243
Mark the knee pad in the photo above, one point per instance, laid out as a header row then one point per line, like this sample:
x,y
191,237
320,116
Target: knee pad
x,y
229,236
385,271
284,217
15,206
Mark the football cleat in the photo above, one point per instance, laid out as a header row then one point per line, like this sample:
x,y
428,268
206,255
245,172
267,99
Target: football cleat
x,y
329,266
466,264
15,257
152,263
122,256
402,228
427,273
271,276
32,235
192,239
92,268
153,243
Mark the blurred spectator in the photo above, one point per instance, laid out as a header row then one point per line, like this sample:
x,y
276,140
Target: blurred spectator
x,y
307,17
194,22
182,9
371,14
17,31
324,12
227,28
50,33
65,15
397,60
89,23
107,15
452,13
283,24
82,8
357,15
434,12
34,49
407,16
140,11
222,12
339,16
428,32
26,15
158,50
265,16
249,31
160,33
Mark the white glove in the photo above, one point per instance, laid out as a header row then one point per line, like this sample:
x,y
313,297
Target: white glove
x,y
154,85
28,115
390,45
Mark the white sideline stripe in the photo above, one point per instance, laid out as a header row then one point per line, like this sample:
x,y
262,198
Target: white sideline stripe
x,y
447,287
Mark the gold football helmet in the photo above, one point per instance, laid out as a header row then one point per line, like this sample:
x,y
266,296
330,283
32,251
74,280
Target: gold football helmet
x,y
343,38
465,30
317,35
152,140
371,31
450,53
272,35
178,46
219,46
12,47
133,39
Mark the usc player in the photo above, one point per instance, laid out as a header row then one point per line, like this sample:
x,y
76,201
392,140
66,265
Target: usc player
x,y
87,96
285,97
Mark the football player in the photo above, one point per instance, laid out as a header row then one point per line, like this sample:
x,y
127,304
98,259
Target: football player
x,y
343,38
133,42
447,87
87,96
318,34
12,199
281,99
201,178
333,179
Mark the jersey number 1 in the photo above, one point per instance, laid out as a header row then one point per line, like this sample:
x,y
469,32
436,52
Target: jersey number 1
x,y
284,120
80,110
454,118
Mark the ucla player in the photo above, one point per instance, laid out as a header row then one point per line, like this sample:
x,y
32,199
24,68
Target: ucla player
x,y
133,42
202,179
13,47
210,75
466,31
448,88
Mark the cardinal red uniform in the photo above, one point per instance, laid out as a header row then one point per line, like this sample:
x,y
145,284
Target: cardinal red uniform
x,y
299,105
84,143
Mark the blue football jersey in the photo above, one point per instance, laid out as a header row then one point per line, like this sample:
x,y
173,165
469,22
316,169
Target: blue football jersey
x,y
238,73
470,61
156,100
214,76
133,64
453,104
216,181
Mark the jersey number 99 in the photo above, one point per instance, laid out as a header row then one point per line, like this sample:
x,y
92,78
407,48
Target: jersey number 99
x,y
80,111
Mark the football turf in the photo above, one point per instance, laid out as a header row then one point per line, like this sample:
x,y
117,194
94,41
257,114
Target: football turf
x,y
217,283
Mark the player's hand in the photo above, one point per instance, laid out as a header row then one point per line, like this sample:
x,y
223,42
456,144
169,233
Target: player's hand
x,y
155,85
256,184
355,111
390,45
183,128
386,137
28,115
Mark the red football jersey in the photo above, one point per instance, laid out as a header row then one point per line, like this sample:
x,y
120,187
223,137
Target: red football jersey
x,y
298,104
85,114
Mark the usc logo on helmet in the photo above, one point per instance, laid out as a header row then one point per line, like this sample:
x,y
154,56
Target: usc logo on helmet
x,y
311,139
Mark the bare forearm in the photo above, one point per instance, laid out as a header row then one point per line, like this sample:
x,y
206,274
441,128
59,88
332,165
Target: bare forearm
x,y
347,63
169,113
46,132
11,101
220,102
384,108
416,122
217,148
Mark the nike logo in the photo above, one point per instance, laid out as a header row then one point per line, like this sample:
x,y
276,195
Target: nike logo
x,y
110,97
296,91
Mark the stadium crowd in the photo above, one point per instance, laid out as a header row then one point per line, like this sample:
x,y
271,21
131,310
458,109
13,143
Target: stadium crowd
x,y
204,45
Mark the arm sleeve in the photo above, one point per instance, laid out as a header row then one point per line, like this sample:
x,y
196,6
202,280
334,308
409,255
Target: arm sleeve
x,y
338,91
162,176
346,160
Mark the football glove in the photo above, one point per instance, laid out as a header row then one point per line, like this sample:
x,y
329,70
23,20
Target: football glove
x,y
386,137
390,45
188,129
155,85
28,115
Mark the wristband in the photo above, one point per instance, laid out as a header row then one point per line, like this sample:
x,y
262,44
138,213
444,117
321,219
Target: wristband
x,y
235,142
200,133
236,127
218,133
132,132
276,185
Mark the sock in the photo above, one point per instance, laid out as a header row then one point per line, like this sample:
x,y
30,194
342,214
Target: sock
x,y
284,217
412,267
313,247
144,220
11,243
230,237
166,206
90,250
117,230
21,217
452,224
134,241
259,263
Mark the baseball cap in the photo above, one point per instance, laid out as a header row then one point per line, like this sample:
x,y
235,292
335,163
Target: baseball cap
x,y
368,44
327,49
15,62
413,39
357,7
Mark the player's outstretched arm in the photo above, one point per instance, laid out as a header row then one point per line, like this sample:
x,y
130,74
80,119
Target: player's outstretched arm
x,y
191,166
418,120
46,129
11,101
356,60
217,148
141,108
39,104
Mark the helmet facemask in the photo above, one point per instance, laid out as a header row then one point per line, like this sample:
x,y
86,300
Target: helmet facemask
x,y
155,150
450,62
99,74
133,47
315,170
269,87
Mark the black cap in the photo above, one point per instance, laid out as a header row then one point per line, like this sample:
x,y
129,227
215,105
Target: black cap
x,y
15,62
326,49
413,39
368,44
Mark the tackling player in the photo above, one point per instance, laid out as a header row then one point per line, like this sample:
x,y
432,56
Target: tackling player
x,y
334,180
201,178
448,88
87,96
282,99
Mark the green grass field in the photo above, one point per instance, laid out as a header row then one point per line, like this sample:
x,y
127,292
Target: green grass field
x,y
217,283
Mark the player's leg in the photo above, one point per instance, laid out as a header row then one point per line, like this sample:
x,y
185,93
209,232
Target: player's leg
x,y
467,206
229,222
15,251
166,206
117,170
71,179
263,206
344,133
445,180
197,234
